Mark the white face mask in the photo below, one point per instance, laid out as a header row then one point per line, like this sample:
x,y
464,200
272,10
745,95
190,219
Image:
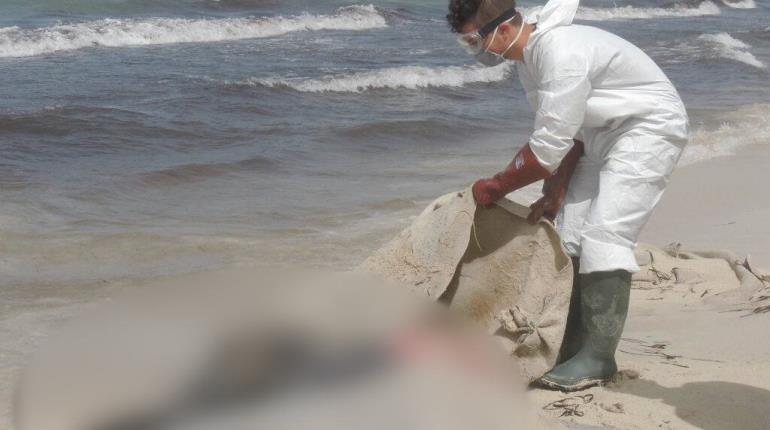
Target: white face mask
x,y
491,59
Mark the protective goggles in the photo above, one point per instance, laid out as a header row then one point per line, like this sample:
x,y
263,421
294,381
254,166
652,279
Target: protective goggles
x,y
474,42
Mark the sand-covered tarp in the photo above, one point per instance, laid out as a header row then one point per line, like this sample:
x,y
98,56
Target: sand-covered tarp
x,y
488,264
718,277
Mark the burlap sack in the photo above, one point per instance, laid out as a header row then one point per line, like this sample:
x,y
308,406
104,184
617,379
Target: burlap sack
x,y
490,265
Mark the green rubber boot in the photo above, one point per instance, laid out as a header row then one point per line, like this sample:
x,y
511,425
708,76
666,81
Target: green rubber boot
x,y
604,300
573,334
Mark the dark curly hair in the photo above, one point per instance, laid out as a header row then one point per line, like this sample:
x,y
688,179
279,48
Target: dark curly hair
x,y
481,12
460,12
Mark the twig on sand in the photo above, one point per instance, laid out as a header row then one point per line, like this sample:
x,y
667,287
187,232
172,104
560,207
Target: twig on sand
x,y
656,350
660,275
675,364
570,406
652,350
659,354
706,359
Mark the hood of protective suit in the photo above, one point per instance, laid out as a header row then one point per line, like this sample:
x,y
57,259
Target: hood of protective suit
x,y
555,13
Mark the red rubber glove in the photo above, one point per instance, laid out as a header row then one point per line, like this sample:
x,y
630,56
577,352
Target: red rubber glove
x,y
523,170
555,187
554,193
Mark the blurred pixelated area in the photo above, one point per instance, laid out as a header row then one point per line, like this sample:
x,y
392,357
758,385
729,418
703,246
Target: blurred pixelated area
x,y
258,350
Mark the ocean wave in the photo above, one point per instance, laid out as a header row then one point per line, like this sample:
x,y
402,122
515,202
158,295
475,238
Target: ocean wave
x,y
629,12
749,125
409,130
740,4
732,48
189,173
62,121
17,42
409,77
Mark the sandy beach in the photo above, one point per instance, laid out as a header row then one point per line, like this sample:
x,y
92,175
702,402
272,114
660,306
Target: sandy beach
x,y
687,362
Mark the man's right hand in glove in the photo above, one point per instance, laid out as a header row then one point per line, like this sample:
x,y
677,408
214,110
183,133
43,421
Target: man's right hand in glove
x,y
555,187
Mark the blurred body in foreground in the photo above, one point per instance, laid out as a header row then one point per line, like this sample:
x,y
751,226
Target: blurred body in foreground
x,y
253,350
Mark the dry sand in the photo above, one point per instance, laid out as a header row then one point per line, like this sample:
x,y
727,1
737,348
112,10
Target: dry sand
x,y
694,363
723,203
698,368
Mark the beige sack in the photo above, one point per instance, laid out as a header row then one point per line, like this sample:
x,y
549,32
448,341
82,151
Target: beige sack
x,y
490,265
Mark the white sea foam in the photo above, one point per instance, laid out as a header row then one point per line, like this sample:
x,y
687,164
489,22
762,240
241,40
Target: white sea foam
x,y
745,126
409,77
740,4
628,12
17,42
732,48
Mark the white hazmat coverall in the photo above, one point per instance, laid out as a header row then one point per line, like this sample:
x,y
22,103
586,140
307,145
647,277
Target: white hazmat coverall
x,y
591,85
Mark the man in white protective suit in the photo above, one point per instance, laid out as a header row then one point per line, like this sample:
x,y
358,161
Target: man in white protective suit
x,y
609,130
